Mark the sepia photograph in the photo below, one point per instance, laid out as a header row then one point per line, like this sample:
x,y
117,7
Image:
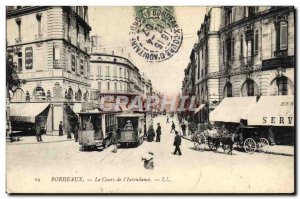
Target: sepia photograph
x,y
147,99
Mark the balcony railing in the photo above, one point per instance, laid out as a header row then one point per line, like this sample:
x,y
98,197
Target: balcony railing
x,y
280,53
247,61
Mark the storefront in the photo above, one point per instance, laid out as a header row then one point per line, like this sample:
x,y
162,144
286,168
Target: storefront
x,y
276,112
25,116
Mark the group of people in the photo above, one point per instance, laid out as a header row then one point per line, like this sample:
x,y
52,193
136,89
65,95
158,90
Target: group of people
x,y
69,130
151,134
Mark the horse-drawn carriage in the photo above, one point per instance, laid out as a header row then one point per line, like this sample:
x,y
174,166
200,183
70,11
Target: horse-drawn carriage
x,y
247,138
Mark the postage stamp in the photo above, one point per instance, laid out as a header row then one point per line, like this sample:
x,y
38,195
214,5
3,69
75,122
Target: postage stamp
x,y
155,34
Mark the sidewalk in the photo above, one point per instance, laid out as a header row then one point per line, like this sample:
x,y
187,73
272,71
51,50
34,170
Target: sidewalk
x,y
46,139
276,150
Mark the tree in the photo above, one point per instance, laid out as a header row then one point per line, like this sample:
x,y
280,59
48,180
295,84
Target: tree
x,y
12,79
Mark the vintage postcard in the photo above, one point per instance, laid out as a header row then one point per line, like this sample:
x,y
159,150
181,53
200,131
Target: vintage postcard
x,y
150,99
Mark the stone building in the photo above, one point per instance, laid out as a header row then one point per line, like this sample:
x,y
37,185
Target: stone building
x,y
116,76
207,62
256,51
48,46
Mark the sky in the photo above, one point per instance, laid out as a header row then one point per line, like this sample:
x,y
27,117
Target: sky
x,y
112,25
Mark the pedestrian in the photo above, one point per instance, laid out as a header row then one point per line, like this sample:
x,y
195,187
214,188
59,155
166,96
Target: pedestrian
x,y
183,127
76,133
38,133
114,141
158,132
150,134
60,129
167,120
271,136
69,136
177,143
173,127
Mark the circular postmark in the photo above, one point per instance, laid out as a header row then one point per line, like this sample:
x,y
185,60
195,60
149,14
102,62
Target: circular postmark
x,y
155,34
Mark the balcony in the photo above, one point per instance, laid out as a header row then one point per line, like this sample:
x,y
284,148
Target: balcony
x,y
18,40
52,74
280,53
274,63
38,36
247,61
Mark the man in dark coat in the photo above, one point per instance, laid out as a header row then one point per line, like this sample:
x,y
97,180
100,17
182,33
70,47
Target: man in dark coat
x,y
158,132
114,141
76,133
177,143
183,127
60,128
150,134
173,127
38,133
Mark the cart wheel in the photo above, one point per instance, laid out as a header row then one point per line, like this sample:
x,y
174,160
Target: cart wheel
x,y
212,145
249,145
199,141
263,145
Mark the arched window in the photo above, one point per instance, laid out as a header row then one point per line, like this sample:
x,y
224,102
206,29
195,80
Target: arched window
x,y
79,96
27,96
69,94
228,90
282,84
19,95
250,87
48,95
39,94
86,96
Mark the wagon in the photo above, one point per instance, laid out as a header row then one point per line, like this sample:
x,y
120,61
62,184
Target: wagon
x,y
249,139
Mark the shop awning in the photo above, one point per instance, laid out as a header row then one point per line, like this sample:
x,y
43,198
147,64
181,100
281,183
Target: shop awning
x,y
199,108
272,111
26,112
231,109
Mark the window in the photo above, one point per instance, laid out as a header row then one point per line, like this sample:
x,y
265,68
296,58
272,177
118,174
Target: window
x,y
86,96
69,94
79,96
228,90
116,86
81,67
99,70
27,97
108,86
281,36
251,11
18,21
48,95
282,84
250,87
19,95
99,86
107,71
256,42
230,48
20,61
73,60
39,24
242,45
115,71
39,94
120,72
228,17
56,55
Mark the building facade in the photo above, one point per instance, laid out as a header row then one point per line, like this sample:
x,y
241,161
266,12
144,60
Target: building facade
x,y
116,76
256,51
49,46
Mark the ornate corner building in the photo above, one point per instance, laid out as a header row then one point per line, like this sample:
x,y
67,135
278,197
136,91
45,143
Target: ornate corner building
x,y
48,46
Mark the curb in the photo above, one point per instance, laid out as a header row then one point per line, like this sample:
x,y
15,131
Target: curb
x,y
44,142
268,152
